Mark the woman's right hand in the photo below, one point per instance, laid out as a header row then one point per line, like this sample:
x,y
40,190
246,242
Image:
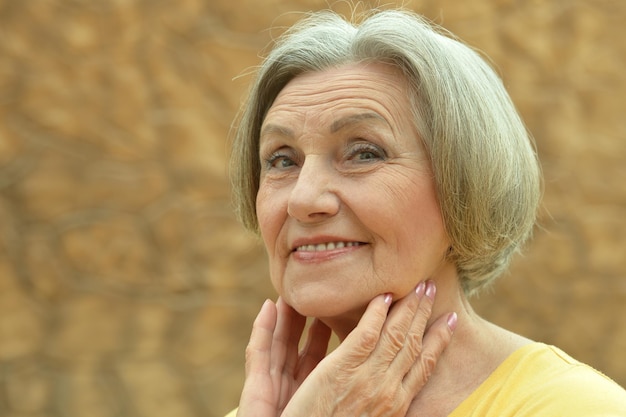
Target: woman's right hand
x,y
377,370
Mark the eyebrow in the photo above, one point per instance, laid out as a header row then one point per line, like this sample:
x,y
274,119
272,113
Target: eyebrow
x,y
272,129
354,119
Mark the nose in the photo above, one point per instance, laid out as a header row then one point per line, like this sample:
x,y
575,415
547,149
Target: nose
x,y
313,197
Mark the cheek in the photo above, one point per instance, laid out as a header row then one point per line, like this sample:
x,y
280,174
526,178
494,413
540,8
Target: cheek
x,y
270,214
415,226
425,223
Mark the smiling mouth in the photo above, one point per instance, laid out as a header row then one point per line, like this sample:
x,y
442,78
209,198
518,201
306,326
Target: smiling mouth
x,y
320,247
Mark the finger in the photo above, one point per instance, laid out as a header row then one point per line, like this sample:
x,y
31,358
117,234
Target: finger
x,y
436,340
258,351
314,350
289,327
396,328
258,397
362,341
413,339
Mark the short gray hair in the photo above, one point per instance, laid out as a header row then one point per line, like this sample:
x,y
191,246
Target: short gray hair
x,y
483,159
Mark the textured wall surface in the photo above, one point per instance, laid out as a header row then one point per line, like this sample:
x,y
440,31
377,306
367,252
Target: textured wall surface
x,y
126,286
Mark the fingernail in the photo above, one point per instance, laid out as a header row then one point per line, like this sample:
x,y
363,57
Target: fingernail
x,y
419,290
388,298
452,321
431,290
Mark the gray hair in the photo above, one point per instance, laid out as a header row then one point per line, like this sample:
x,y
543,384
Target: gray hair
x,y
483,159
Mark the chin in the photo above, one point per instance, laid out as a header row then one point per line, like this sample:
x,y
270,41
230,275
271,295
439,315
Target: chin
x,y
330,308
311,305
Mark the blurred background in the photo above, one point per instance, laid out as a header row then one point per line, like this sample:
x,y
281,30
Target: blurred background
x,y
127,288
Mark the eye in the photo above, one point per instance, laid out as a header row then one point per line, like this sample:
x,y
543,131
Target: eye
x,y
365,155
366,152
279,159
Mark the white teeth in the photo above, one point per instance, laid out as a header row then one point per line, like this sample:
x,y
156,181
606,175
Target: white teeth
x,y
326,246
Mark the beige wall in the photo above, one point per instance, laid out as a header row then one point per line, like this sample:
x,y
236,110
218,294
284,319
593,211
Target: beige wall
x,y
126,286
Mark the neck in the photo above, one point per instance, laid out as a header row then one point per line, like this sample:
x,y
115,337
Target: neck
x,y
477,348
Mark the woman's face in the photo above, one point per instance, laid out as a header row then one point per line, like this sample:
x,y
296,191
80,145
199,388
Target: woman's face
x,y
347,205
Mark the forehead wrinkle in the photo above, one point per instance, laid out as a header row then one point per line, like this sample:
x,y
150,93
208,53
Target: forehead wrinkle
x,y
384,96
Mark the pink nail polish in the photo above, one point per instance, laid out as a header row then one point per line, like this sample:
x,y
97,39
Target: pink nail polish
x,y
431,290
388,298
419,290
452,321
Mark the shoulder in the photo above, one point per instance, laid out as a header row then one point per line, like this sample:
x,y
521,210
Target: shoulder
x,y
550,382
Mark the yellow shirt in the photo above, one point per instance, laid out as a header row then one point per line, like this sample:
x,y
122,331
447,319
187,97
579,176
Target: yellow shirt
x,y
542,381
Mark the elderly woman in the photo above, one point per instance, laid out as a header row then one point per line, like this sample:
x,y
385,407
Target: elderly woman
x,y
381,164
